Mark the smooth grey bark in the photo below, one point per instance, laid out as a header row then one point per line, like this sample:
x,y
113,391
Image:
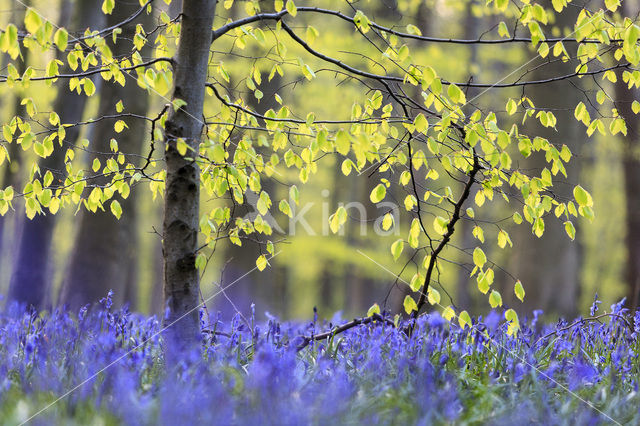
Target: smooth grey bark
x,y
182,192
104,251
31,280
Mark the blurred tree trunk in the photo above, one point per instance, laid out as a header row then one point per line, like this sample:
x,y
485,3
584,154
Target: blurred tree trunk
x,y
30,280
259,286
549,267
624,98
11,173
182,194
329,277
156,306
104,255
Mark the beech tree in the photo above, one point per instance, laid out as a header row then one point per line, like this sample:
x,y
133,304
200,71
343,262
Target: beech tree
x,y
411,129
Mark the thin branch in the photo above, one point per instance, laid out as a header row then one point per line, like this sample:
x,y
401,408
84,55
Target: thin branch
x,y
385,78
447,236
342,328
279,15
582,320
4,78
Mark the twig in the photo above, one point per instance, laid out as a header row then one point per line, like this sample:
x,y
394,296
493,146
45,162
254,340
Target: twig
x,y
447,236
582,320
342,328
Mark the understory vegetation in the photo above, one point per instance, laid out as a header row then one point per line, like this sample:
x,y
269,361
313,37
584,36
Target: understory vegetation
x,y
106,366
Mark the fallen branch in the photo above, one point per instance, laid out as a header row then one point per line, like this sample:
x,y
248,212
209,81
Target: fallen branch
x,y
342,328
582,320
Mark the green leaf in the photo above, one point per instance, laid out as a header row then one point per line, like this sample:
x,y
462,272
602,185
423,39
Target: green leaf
x,y
618,125
261,262
456,95
378,193
294,194
448,313
416,282
89,87
503,239
421,124
119,126
433,296
412,29
285,208
409,202
495,299
61,38
263,204
201,261
346,167
343,144
312,34
479,258
570,229
514,325
32,21
503,31
558,5
440,225
291,8
107,6
387,222
361,21
464,320
218,154
409,304
582,196
485,279
375,309
519,290
181,146
116,209
517,218
337,219
502,5
396,249
612,5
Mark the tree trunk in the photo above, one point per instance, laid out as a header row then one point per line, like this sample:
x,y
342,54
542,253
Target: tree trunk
x,y
258,287
181,210
104,253
30,280
11,173
631,166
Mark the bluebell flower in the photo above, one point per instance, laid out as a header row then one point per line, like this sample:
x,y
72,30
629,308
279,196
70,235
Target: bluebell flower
x,y
594,305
